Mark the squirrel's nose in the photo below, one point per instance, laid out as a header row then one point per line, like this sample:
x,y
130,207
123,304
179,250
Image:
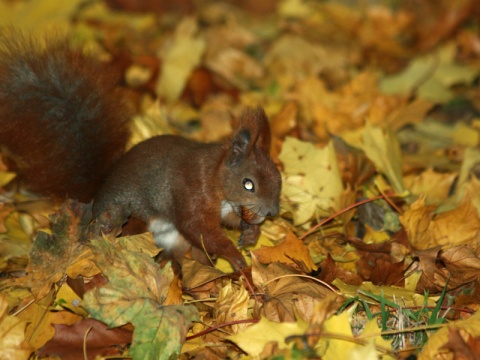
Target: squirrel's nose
x,y
273,210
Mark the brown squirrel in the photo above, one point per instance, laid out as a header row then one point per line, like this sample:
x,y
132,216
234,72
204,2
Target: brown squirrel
x,y
64,126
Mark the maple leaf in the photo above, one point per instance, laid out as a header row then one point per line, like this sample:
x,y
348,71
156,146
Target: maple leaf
x,y
312,184
291,251
135,293
426,229
52,255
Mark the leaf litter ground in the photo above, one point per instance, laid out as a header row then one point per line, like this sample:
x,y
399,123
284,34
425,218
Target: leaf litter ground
x,y
375,118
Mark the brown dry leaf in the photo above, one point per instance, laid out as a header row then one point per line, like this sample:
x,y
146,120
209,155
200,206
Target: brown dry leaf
x,y
225,54
462,263
284,121
175,292
427,264
196,274
289,293
425,229
53,254
381,269
291,251
462,345
71,341
458,266
331,271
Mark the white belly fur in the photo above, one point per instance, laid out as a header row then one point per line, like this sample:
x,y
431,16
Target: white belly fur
x,y
164,233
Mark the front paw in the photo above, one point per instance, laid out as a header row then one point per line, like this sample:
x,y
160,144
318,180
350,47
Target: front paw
x,y
238,262
250,234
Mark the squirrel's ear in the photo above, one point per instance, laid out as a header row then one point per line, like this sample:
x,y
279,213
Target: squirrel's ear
x,y
256,121
240,147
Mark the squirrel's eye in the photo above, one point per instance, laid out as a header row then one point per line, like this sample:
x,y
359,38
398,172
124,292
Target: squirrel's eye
x,y
248,185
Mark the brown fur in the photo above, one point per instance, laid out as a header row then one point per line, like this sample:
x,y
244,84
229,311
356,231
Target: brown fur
x,y
183,186
62,121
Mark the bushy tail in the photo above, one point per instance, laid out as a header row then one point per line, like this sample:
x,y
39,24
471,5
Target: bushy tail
x,y
63,122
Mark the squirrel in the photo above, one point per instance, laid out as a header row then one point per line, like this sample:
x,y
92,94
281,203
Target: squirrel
x,y
64,126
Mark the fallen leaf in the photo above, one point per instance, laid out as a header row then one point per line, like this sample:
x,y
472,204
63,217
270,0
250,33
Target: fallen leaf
x,y
336,345
52,254
291,251
179,60
41,321
425,229
15,244
135,293
430,76
256,337
287,291
383,149
87,336
390,293
196,274
13,344
434,185
439,341
232,304
330,271
312,184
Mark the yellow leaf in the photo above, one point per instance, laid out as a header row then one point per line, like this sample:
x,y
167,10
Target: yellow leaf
x,y
254,339
38,14
15,243
426,229
337,348
179,61
231,305
69,299
434,185
383,148
12,335
391,293
39,329
294,9
371,328
312,184
6,177
142,243
437,341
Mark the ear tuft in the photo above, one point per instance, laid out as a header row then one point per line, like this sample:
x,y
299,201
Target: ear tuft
x,y
255,120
